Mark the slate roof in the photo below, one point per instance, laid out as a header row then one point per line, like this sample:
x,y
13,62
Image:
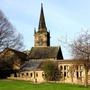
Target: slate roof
x,y
21,55
46,53
30,65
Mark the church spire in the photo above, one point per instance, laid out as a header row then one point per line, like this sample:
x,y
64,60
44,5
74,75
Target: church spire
x,y
42,24
42,36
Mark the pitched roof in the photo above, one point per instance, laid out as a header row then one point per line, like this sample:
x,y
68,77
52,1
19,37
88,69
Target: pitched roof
x,y
46,53
21,55
30,65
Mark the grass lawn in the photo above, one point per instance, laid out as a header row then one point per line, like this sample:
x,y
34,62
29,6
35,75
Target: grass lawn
x,y
24,85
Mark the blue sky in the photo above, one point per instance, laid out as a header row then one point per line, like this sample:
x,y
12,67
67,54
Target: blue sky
x,y
64,19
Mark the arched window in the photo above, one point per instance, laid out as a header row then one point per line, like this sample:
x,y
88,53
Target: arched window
x,y
30,74
36,74
26,74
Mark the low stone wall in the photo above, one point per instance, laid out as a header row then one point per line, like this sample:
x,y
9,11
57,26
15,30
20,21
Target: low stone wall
x,y
18,78
25,79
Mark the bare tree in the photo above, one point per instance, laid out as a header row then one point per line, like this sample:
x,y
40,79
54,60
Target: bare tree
x,y
81,46
71,70
8,35
81,51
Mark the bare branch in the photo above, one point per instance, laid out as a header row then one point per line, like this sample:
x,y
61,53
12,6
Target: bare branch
x,y
8,36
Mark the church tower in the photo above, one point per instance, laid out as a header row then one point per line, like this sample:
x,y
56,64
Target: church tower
x,y
42,36
42,49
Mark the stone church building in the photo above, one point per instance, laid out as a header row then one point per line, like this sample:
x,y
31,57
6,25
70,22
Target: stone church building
x,y
72,71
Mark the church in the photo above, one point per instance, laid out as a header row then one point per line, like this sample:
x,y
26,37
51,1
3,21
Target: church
x,y
29,65
41,52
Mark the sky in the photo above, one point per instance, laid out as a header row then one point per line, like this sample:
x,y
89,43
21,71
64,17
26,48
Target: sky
x,y
64,18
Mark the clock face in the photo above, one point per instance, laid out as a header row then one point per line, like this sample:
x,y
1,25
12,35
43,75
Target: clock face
x,y
41,40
